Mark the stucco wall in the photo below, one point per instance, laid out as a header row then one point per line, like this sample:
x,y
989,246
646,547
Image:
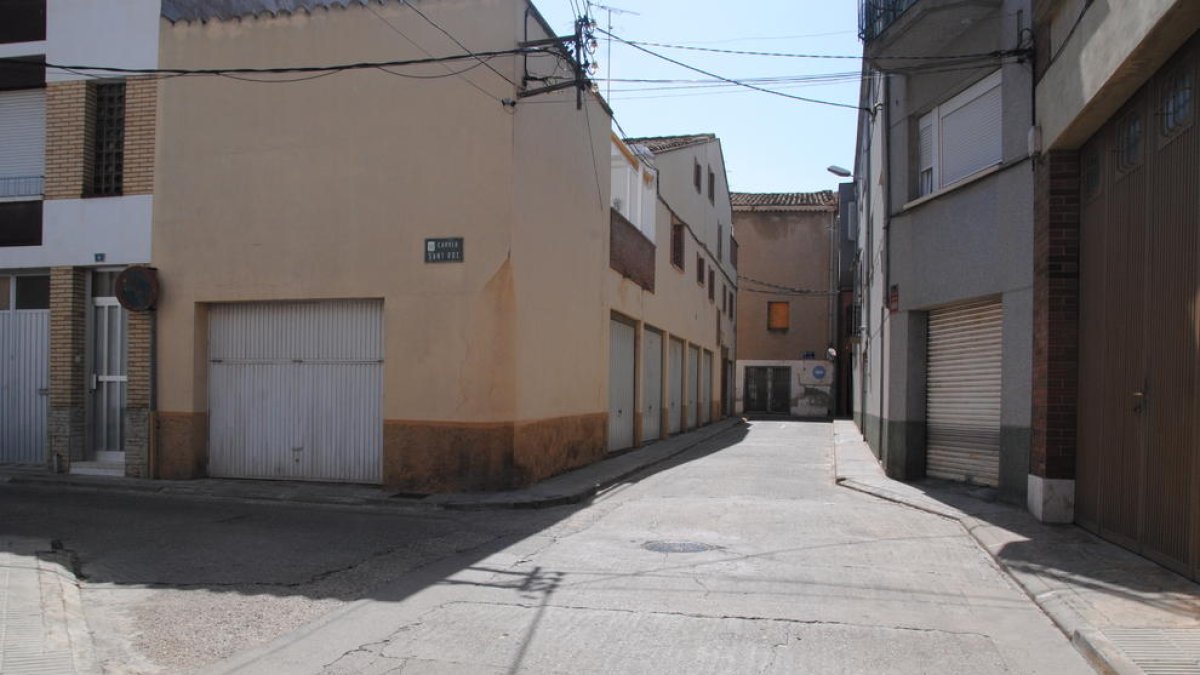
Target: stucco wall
x,y
792,249
1114,48
327,188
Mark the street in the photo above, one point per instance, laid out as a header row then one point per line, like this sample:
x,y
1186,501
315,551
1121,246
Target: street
x,y
741,555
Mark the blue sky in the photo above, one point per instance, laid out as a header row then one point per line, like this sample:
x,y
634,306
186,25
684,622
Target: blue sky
x,y
771,144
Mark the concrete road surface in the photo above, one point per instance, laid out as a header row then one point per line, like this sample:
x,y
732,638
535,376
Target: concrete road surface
x,y
740,556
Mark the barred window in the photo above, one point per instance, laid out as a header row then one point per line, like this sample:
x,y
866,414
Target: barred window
x,y
108,163
1129,142
1176,106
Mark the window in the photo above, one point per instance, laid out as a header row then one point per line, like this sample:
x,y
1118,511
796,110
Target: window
x,y
22,133
960,137
696,174
712,286
732,298
21,223
699,269
22,21
712,186
778,316
733,251
32,292
1091,168
720,243
5,293
724,298
108,157
1129,142
1175,107
677,245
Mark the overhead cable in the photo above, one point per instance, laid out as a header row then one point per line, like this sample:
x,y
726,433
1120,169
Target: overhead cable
x,y
747,85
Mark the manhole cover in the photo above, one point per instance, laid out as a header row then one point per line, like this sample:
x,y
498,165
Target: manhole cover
x,y
678,546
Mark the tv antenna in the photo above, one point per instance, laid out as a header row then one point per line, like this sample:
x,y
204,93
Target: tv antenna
x,y
611,11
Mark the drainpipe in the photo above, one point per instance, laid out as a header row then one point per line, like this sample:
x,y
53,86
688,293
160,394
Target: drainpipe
x,y
887,220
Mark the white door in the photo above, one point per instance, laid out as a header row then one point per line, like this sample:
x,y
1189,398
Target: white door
x,y
693,385
295,391
652,391
675,379
621,380
964,388
706,388
24,370
109,377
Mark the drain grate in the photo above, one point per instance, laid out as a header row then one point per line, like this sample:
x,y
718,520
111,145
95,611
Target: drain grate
x,y
1159,651
678,546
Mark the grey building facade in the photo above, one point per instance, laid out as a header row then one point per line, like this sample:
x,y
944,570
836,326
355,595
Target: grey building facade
x,y
944,247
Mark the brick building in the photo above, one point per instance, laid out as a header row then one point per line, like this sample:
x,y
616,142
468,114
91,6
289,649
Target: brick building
x,y
76,195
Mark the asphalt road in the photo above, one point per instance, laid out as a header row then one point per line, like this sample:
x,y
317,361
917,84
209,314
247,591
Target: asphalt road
x,y
740,556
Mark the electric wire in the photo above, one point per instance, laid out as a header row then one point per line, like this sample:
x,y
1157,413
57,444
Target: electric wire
x,y
731,80
790,55
424,51
456,41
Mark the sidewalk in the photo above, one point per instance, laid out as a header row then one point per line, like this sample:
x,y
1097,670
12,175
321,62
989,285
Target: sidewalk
x,y
1123,612
568,488
42,628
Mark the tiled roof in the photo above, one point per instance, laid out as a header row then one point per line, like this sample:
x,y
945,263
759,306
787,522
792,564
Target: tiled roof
x,y
657,144
767,201
203,10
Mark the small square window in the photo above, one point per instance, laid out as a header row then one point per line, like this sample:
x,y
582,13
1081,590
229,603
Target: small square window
x,y
33,292
778,316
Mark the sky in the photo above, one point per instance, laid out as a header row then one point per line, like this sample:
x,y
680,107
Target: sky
x,y
771,144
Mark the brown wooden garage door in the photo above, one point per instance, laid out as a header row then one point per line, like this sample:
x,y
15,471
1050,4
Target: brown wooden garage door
x,y
1138,476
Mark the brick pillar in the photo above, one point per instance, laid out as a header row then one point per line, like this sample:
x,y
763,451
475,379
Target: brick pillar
x,y
141,101
69,139
68,337
137,395
1055,337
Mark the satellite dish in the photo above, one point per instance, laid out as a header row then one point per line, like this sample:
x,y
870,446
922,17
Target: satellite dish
x,y
137,288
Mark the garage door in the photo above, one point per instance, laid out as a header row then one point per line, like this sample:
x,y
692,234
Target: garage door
x,y
693,385
675,385
24,368
620,385
963,404
652,389
295,391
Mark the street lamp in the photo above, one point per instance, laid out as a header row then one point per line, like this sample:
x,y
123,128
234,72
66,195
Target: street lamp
x,y
838,171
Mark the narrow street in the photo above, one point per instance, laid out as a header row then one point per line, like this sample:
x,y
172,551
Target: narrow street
x,y
739,556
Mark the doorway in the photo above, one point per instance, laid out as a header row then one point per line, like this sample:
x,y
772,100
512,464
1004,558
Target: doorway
x,y
768,389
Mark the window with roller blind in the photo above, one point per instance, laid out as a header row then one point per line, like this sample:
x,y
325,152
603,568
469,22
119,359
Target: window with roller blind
x,y
960,137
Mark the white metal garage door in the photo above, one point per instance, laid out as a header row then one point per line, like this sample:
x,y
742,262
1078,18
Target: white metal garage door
x,y
693,385
24,378
295,391
964,388
652,389
706,368
675,383
621,379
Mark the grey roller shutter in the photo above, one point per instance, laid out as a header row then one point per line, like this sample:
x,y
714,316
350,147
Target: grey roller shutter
x,y
23,139
964,392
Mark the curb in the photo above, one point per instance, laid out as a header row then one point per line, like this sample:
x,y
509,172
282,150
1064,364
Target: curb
x,y
540,496
1100,652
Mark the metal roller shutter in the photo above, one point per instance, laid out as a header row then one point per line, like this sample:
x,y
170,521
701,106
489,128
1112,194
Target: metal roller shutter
x,y
295,391
23,137
964,391
621,381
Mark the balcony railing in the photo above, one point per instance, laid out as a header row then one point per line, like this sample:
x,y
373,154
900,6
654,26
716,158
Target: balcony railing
x,y
21,186
874,16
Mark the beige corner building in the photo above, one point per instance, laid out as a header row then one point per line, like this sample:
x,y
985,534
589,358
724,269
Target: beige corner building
x,y
786,303
419,275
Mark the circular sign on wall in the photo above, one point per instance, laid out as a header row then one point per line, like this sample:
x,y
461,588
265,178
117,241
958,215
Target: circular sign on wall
x,y
137,288
819,372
